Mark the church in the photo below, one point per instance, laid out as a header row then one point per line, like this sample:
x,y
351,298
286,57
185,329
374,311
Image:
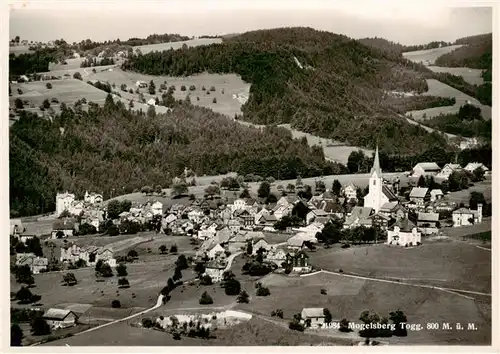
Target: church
x,y
378,194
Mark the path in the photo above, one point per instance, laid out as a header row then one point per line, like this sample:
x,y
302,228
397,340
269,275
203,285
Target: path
x,y
453,290
230,260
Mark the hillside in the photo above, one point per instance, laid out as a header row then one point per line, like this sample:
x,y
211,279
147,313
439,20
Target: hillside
x,y
111,148
339,93
475,53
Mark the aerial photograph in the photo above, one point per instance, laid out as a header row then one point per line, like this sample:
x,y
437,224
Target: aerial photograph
x,y
250,174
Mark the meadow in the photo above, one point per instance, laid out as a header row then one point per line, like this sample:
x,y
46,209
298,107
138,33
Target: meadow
x,y
176,45
437,88
429,55
472,76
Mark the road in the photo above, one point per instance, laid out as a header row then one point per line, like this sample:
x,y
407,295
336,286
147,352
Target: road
x,y
230,260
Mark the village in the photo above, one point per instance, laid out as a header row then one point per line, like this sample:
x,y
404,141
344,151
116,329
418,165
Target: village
x,y
275,235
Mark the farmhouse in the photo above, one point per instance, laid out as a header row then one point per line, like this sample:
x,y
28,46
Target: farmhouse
x,y
36,264
466,217
403,233
436,194
350,191
428,223
58,318
63,228
260,244
277,256
360,216
425,169
215,251
472,166
420,195
16,227
393,210
299,261
315,316
92,198
314,214
448,169
332,208
245,217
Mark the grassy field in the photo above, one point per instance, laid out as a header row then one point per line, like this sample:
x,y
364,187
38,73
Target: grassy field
x,y
177,45
464,195
437,88
20,49
347,298
429,55
472,76
447,264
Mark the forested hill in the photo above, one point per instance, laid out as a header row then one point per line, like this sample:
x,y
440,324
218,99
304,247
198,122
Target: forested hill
x,y
477,53
111,147
338,92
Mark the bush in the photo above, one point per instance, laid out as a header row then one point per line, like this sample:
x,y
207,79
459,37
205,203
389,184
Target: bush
x,y
192,88
243,297
212,88
277,313
323,291
206,280
121,270
48,85
206,299
263,291
232,287
214,100
116,304
173,249
296,326
40,327
183,88
123,283
147,323
77,76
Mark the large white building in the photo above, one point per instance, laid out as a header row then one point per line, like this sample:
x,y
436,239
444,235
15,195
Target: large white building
x,y
378,193
64,201
403,233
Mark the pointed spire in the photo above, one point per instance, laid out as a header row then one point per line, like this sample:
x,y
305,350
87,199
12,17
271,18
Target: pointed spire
x,y
376,164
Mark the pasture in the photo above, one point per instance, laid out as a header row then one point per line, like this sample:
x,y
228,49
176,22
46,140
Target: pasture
x,y
176,45
463,196
348,297
472,76
428,56
20,49
437,88
446,264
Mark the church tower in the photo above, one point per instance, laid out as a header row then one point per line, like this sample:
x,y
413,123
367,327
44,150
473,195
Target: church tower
x,y
374,198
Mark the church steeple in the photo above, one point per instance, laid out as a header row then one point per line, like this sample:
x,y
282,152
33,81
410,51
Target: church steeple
x,y
376,164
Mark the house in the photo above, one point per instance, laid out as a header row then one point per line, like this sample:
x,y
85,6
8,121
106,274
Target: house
x,y
448,169
332,208
472,166
215,270
436,194
350,191
63,202
141,84
195,215
311,229
260,214
267,220
282,210
207,232
63,228
152,102
238,204
403,233
393,210
299,262
92,198
234,225
16,227
157,208
380,220
297,241
420,195
425,169
277,256
216,251
466,217
315,213
314,315
36,264
260,244
428,223
360,216
58,318
328,196
246,218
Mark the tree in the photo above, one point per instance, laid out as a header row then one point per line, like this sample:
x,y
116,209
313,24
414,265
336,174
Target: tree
x,y
163,249
264,189
290,188
328,315
121,270
24,275
212,190
181,262
133,254
114,209
116,304
40,327
24,296
46,103
320,187
214,100
344,326
262,291
16,335
206,280
106,271
421,182
179,189
243,297
476,198
232,287
206,299
70,279
123,283
158,189
177,274
77,76
355,160
48,85
271,198
19,103
245,193
152,88
199,268
249,248
173,249
398,317
151,113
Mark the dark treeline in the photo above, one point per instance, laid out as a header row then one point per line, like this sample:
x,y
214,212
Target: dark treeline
x,y
30,63
397,48
416,103
339,93
483,93
111,147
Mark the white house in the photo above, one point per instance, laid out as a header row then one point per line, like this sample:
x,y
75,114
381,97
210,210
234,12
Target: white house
x,y
195,215
448,169
215,251
465,217
58,318
350,191
425,169
215,270
63,202
141,84
63,228
436,194
36,264
403,233
277,256
260,244
152,102
238,204
472,166
315,213
315,315
157,208
92,198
